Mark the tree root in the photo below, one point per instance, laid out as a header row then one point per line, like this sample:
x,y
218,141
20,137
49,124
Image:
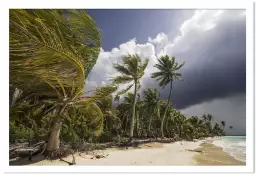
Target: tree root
x,y
70,163
59,153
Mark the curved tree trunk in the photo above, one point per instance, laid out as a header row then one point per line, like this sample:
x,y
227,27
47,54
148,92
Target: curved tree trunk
x,y
54,137
54,140
165,111
133,111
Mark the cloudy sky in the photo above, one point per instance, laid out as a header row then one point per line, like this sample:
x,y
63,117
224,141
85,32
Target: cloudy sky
x,y
212,42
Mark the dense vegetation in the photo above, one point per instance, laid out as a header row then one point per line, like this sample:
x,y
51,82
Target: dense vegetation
x,y
51,54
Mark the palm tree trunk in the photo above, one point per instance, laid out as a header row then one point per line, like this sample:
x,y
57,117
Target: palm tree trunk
x,y
137,124
149,123
165,111
54,138
166,128
133,111
180,131
126,123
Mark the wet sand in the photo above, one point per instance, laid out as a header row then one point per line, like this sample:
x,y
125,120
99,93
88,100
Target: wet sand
x,y
213,155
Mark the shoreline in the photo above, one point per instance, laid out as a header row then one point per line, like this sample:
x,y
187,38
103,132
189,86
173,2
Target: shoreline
x,y
190,153
214,155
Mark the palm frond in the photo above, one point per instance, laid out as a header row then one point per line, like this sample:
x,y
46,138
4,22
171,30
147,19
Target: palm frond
x,y
125,90
52,52
121,69
122,79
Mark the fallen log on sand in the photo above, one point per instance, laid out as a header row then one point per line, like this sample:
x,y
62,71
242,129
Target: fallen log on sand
x,y
199,151
135,143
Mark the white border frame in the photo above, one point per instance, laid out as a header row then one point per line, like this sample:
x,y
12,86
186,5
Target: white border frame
x,y
159,4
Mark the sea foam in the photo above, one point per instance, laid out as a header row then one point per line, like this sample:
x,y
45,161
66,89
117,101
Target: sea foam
x,y
233,145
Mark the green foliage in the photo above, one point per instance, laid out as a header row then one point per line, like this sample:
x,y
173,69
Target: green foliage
x,y
48,51
167,70
20,132
52,53
105,136
131,70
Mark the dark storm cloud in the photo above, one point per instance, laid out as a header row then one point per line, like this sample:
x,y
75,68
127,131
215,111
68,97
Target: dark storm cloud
x,y
232,110
215,64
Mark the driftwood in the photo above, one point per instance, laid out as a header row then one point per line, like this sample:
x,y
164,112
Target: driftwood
x,y
11,149
99,156
199,151
23,150
135,143
70,163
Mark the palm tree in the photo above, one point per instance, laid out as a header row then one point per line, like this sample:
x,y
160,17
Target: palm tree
x,y
204,117
209,117
151,104
51,54
167,74
194,120
216,129
223,124
138,115
111,122
206,124
170,124
132,70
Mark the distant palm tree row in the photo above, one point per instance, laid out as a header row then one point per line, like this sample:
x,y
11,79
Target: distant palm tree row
x,y
151,111
52,53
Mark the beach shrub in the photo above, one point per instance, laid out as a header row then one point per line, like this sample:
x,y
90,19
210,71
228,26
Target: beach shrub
x,y
20,132
105,136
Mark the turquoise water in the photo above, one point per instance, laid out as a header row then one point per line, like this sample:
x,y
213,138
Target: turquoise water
x,y
234,145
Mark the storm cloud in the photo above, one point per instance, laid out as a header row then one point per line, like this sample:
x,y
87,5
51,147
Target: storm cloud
x,y
232,110
215,59
213,45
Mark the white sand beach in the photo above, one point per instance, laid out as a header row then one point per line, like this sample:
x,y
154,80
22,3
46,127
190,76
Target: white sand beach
x,y
177,153
147,154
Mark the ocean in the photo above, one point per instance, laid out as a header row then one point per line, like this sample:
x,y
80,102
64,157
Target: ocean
x,y
233,145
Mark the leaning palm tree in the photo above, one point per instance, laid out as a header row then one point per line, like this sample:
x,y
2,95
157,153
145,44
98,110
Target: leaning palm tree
x,y
167,74
217,129
223,124
132,70
51,54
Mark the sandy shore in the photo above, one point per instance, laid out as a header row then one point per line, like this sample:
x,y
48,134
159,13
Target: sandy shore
x,y
146,154
213,155
149,154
